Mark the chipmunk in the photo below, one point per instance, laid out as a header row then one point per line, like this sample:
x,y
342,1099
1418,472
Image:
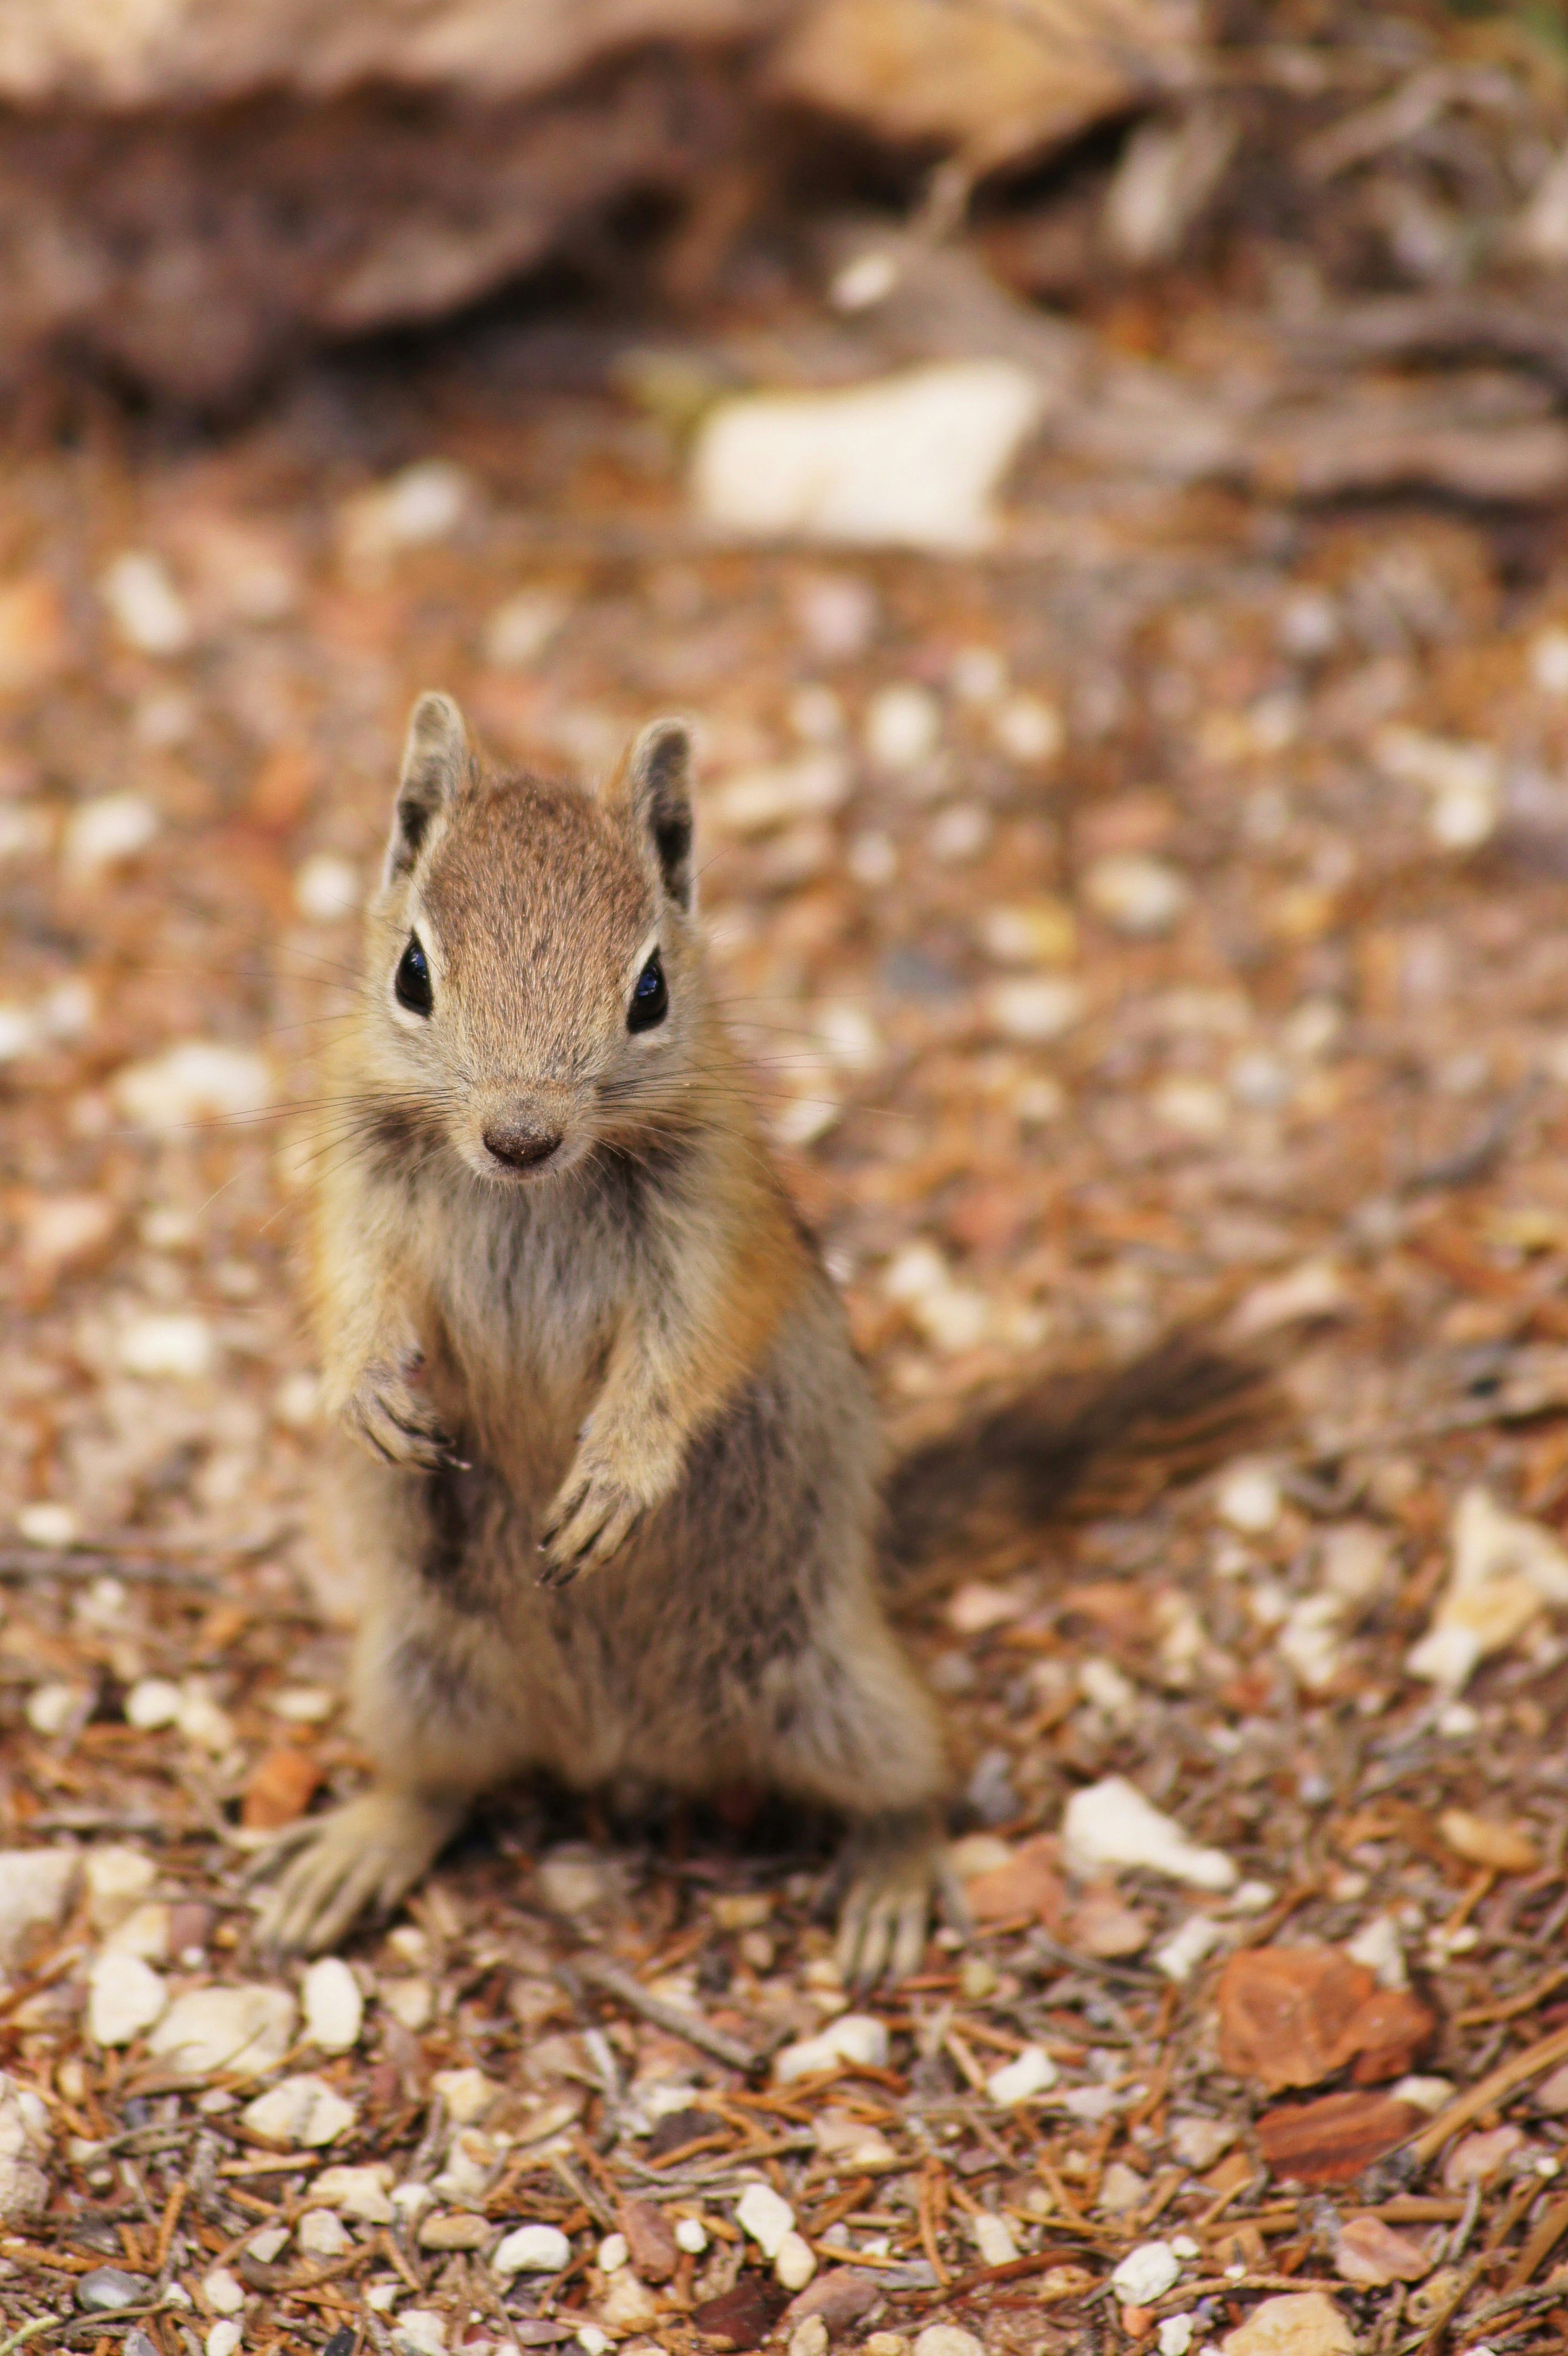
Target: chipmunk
x,y
619,1481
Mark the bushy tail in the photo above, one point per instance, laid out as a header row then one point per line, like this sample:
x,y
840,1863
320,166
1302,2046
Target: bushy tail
x,y
1073,1447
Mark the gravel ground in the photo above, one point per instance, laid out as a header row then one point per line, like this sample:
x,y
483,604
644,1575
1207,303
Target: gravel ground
x,y
1155,920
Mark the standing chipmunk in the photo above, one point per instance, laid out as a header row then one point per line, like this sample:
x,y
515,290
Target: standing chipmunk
x,y
618,1487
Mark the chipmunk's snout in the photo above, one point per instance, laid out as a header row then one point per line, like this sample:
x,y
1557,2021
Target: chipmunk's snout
x,y
521,1143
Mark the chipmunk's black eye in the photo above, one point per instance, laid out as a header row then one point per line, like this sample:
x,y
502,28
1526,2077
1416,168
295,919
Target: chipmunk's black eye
x,y
650,1000
411,984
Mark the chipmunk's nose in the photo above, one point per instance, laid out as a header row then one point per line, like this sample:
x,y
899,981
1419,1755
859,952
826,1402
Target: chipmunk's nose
x,y
520,1144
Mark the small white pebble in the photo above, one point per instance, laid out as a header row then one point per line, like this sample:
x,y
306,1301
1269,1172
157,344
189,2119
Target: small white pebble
x,y
152,1702
1249,1499
591,2340
144,606
1033,2073
334,2008
223,2291
46,1524
51,1708
110,827
1137,896
692,2235
530,2250
1145,2274
793,2263
767,2217
326,889
223,2339
1028,730
612,2254
904,725
321,2233
1175,2335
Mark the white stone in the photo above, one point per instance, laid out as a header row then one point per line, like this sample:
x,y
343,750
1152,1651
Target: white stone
x,y
223,2291
1146,2274
614,2253
152,1702
1175,2335
203,1722
593,2341
1179,1956
1028,730
1429,2095
1311,1640
24,2150
302,2112
1035,1009
51,1708
473,2162
994,2240
411,2001
947,2339
420,2331
416,508
794,2262
327,889
1248,1499
855,2037
1110,1824
243,2030
1134,895
179,1344
110,827
903,726
1029,2073
363,2192
518,631
692,2235
223,2338
321,2233
1549,661
1377,1945
809,2337
1198,2142
198,1080
124,1997
467,2095
334,2008
572,1882
1464,782
755,801
36,1885
1506,1569
531,2250
1357,1563
766,2216
46,1522
912,460
628,2304
146,609
118,1880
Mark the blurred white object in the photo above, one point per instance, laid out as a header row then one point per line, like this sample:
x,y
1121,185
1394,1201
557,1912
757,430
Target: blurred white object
x,y
146,609
110,827
1167,173
518,633
913,461
327,888
1110,1823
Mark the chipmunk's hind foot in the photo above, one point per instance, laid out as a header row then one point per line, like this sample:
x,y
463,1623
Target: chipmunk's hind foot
x,y
894,1873
360,1858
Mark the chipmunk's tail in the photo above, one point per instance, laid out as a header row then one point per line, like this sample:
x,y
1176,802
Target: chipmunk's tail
x,y
1074,1448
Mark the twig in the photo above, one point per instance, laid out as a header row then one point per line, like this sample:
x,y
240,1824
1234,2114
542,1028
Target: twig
x,y
610,1981
1531,2063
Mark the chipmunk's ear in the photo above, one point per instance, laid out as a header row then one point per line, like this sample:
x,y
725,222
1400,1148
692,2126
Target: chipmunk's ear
x,y
656,782
435,765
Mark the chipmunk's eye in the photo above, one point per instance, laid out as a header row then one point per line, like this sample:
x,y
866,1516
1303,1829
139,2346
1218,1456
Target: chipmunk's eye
x,y
650,1000
411,984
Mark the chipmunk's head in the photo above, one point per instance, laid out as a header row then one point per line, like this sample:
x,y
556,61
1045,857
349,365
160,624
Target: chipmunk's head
x,y
534,984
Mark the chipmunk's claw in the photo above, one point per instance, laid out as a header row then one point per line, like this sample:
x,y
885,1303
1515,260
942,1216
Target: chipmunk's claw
x,y
592,1519
895,1871
355,1859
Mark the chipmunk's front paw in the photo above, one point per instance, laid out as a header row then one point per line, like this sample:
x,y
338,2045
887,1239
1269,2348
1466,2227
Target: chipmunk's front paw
x,y
894,1869
590,1519
390,1412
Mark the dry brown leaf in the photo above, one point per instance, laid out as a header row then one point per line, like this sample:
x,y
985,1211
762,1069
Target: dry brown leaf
x,y
1331,2140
